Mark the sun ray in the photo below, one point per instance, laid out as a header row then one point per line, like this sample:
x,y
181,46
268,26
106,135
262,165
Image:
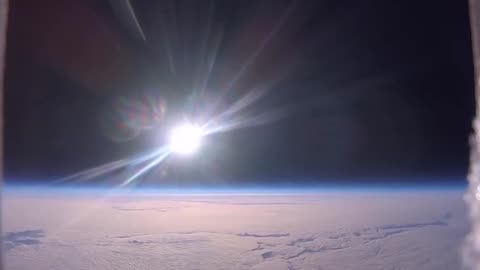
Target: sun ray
x,y
145,169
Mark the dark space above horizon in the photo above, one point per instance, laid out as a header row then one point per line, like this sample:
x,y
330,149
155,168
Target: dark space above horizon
x,y
337,89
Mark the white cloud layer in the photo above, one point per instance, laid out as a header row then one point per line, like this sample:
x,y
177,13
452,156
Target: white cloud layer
x,y
383,230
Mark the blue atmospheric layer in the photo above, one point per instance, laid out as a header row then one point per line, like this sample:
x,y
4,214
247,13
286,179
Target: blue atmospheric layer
x,y
206,189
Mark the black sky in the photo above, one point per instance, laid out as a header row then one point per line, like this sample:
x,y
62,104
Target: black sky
x,y
366,89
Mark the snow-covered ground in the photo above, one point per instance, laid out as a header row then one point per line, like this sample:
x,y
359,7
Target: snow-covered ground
x,y
350,230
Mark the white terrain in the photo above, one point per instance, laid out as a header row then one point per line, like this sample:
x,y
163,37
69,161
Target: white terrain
x,y
58,230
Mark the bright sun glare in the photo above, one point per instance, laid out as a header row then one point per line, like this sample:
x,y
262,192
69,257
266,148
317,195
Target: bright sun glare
x,y
185,139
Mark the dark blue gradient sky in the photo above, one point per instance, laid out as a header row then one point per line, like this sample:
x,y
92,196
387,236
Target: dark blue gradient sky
x,y
366,90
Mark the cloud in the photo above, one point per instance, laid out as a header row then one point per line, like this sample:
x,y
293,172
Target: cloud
x,y
346,232
28,237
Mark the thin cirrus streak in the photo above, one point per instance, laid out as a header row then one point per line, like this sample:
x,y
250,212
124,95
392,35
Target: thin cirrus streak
x,y
234,117
124,10
129,18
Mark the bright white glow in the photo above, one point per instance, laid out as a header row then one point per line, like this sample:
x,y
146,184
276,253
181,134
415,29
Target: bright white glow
x,y
185,139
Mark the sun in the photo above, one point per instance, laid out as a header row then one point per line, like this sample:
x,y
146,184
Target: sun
x,y
185,139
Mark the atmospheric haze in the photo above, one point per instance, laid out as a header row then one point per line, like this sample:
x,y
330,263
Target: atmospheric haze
x,y
408,229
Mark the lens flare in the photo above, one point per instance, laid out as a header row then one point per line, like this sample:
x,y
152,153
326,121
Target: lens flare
x,y
185,139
